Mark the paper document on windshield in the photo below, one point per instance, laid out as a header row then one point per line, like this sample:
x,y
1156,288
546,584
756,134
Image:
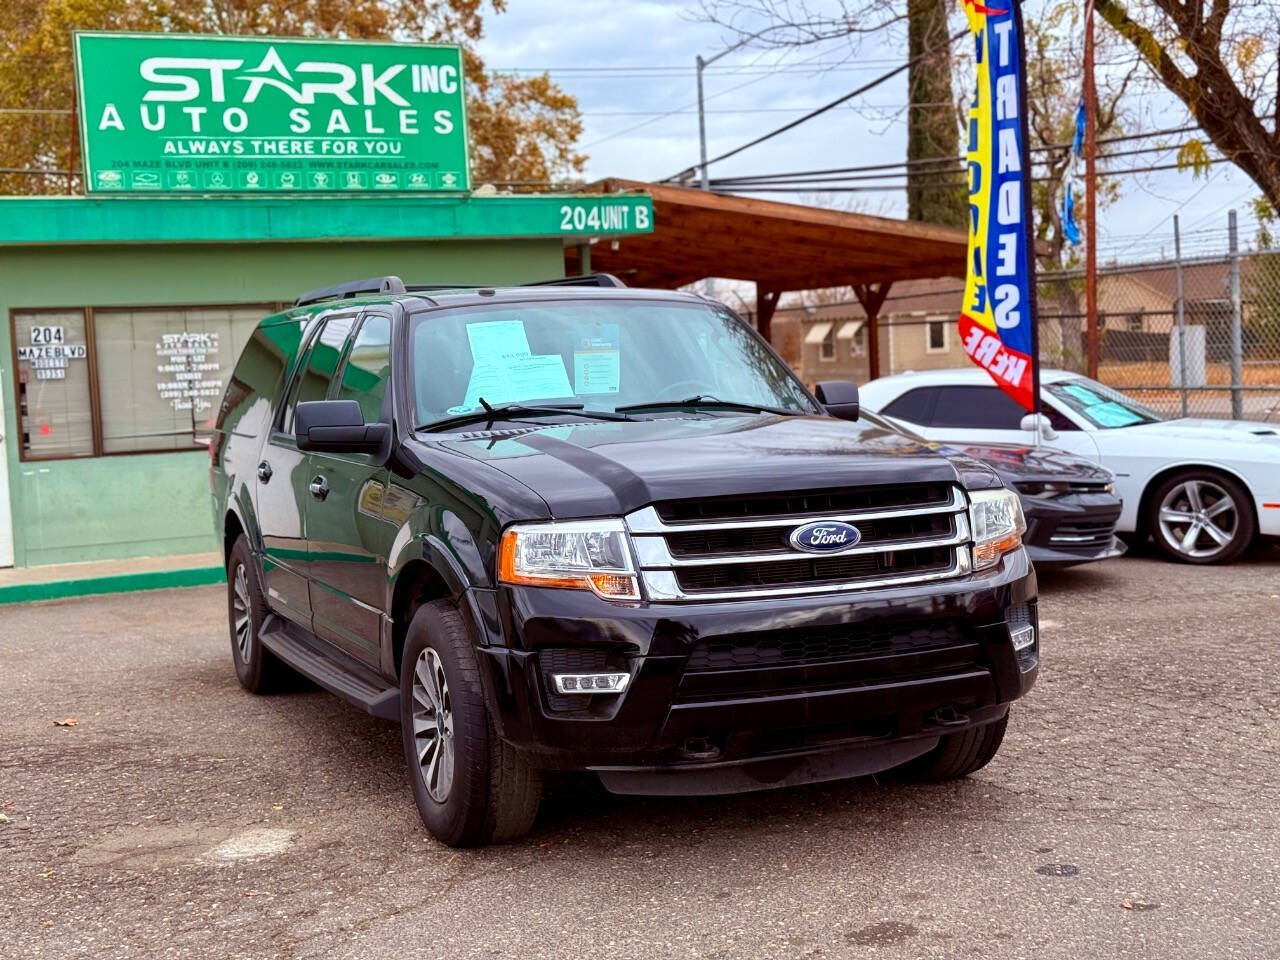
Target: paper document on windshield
x,y
517,380
597,363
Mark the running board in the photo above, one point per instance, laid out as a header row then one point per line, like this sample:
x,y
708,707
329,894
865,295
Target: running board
x,y
334,671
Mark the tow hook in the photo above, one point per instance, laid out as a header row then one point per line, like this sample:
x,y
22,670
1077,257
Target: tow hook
x,y
947,717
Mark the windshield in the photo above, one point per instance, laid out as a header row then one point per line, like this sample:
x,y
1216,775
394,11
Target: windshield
x,y
1103,407
603,354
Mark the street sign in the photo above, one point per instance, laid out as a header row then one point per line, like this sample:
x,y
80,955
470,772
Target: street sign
x,y
216,114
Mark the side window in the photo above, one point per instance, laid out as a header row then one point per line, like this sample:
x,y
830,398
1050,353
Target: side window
x,y
1057,419
316,373
988,408
368,367
914,406
253,385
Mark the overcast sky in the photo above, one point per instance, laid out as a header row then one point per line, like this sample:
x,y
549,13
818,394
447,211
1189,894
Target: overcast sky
x,y
630,61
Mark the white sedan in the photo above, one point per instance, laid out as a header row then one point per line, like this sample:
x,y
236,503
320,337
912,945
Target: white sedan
x,y
1204,488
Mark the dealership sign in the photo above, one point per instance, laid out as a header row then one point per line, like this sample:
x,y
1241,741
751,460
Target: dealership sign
x,y
207,114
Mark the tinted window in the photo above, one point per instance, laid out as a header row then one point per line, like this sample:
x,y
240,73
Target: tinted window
x,y
364,378
321,364
989,408
258,375
914,406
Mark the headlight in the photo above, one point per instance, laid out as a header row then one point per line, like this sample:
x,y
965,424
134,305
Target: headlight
x,y
580,554
1043,490
998,525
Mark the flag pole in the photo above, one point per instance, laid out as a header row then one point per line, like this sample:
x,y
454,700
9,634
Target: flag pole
x,y
1027,201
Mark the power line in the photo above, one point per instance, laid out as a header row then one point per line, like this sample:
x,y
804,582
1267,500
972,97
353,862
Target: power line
x,y
883,78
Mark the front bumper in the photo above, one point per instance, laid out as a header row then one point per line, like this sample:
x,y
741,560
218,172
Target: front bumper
x,y
728,694
1077,528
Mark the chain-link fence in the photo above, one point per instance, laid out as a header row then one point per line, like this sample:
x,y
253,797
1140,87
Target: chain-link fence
x,y
1193,337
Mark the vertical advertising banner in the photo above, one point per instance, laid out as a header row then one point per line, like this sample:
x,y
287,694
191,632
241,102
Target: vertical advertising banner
x,y
997,319
216,114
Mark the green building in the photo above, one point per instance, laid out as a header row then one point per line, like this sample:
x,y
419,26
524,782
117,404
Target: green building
x,y
124,316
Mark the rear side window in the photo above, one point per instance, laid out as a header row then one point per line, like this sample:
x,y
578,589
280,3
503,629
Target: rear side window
x,y
259,373
988,408
364,378
321,364
914,406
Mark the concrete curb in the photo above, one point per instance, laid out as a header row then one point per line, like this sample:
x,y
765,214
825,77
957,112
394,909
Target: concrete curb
x,y
114,583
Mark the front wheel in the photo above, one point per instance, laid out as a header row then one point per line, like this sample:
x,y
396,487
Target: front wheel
x,y
957,754
1201,517
471,788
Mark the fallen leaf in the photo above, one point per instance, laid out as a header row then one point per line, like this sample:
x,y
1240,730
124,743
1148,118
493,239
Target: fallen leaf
x,y
277,806
65,722
1127,904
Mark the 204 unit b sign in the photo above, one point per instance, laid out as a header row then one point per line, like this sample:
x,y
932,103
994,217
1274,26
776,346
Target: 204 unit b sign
x,y
211,114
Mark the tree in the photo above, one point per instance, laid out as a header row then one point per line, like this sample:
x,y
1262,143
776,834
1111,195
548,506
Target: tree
x,y
933,127
521,128
1055,77
1213,56
935,191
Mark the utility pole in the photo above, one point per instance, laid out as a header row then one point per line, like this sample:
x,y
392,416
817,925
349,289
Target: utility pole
x,y
702,130
1090,198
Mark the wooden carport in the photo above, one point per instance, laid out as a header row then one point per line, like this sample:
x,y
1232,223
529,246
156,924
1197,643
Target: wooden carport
x,y
779,247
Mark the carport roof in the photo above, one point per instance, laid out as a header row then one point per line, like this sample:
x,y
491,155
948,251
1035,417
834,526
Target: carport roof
x,y
779,246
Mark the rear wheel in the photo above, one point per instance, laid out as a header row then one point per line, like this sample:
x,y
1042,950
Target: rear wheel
x,y
957,754
471,788
1201,517
257,668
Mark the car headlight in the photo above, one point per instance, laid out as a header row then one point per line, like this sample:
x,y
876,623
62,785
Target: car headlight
x,y
580,554
1043,490
998,525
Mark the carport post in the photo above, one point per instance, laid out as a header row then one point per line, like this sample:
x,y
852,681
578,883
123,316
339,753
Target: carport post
x,y
766,303
584,259
872,297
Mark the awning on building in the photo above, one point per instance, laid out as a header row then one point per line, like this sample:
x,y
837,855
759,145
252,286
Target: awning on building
x,y
817,333
849,329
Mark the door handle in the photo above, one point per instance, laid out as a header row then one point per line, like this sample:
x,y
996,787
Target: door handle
x,y
319,488
264,471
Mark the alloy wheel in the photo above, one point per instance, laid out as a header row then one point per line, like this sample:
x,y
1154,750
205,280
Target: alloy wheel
x,y
1198,518
241,612
433,725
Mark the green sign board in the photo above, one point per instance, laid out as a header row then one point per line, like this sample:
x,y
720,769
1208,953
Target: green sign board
x,y
215,114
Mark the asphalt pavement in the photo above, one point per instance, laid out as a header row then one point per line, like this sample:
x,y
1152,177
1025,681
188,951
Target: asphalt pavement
x,y
1134,810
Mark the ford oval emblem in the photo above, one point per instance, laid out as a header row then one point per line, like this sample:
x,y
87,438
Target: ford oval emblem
x,y
825,536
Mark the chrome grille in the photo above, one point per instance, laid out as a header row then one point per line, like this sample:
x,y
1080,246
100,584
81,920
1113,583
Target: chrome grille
x,y
1093,533
707,550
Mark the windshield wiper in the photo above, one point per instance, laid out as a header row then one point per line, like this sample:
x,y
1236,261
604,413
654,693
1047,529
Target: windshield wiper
x,y
507,411
708,402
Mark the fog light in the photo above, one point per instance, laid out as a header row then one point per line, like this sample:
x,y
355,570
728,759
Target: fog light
x,y
591,682
1022,636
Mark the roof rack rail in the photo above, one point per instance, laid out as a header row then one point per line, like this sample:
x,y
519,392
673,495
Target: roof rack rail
x,y
586,280
352,288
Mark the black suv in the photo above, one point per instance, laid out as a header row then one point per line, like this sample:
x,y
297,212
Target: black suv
x,y
579,527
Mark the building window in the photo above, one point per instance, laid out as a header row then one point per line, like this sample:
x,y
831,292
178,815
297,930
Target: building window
x,y
936,336
828,351
124,380
54,413
859,347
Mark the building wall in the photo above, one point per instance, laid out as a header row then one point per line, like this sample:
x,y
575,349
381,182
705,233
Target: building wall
x,y
904,344
155,504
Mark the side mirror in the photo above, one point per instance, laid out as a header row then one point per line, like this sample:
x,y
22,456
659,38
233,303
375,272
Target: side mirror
x,y
839,397
1038,423
336,426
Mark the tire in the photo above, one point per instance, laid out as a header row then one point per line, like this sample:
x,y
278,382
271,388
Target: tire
x,y
492,793
257,669
1182,519
957,754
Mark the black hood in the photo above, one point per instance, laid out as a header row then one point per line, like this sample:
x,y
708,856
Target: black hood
x,y
610,468
1018,464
